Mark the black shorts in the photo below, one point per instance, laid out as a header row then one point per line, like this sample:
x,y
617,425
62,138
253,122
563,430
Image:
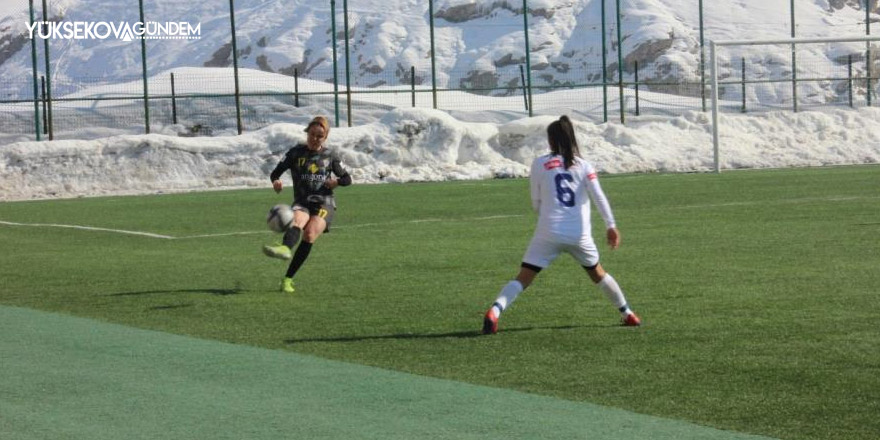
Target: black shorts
x,y
325,208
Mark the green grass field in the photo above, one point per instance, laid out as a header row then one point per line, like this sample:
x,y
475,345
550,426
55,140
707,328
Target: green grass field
x,y
758,289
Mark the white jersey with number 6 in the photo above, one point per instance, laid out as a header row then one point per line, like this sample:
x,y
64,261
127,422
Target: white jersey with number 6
x,y
561,198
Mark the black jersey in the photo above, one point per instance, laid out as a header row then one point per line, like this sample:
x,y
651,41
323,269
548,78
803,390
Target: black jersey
x,y
310,170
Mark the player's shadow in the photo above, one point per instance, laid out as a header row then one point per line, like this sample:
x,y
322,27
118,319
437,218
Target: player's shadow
x,y
458,335
209,291
171,306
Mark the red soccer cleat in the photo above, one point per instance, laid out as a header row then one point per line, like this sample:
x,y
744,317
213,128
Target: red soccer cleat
x,y
630,320
490,323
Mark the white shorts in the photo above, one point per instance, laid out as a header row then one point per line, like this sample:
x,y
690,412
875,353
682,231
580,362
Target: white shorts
x,y
542,251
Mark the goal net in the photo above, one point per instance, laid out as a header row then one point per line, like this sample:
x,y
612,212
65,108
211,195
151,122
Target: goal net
x,y
791,74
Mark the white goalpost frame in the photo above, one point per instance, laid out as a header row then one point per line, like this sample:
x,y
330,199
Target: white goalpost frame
x,y
713,65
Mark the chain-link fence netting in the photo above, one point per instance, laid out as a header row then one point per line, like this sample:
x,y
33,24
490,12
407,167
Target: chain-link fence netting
x,y
760,78
287,75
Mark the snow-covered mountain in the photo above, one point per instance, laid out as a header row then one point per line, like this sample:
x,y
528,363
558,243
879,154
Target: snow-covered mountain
x,y
478,43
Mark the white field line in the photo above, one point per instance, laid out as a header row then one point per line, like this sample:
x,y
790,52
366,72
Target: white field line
x,y
493,217
226,234
90,228
223,234
773,202
430,220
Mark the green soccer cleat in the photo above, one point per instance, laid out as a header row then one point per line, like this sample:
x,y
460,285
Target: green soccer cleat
x,y
279,251
287,285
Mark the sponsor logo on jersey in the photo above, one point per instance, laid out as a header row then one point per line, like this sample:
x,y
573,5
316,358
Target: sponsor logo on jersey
x,y
312,178
592,176
553,163
313,168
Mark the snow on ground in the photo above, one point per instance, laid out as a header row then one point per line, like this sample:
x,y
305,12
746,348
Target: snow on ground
x,y
477,137
429,145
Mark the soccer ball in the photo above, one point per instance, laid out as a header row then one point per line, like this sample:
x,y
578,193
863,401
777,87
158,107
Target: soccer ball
x,y
280,218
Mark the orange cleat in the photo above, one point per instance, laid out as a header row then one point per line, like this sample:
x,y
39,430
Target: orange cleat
x,y
490,323
630,320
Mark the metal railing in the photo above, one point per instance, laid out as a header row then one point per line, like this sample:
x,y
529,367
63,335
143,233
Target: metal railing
x,y
139,105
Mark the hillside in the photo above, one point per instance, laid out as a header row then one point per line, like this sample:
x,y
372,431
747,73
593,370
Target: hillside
x,y
478,43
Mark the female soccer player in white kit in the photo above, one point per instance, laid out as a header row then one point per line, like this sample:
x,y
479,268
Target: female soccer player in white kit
x,y
561,185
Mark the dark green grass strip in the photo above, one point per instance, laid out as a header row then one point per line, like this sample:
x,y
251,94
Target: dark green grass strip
x,y
74,378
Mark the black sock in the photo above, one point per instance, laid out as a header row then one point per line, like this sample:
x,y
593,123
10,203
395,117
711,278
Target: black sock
x,y
292,236
302,252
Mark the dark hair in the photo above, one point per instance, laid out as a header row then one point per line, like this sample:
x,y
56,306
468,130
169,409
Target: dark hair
x,y
560,134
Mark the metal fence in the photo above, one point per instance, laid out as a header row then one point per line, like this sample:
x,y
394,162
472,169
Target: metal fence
x,y
230,99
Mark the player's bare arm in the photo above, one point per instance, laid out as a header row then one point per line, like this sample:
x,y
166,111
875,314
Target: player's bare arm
x,y
613,236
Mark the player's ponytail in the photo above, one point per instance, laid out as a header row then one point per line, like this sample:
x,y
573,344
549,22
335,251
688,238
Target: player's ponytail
x,y
563,141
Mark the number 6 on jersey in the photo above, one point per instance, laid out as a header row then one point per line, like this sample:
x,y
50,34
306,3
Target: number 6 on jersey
x,y
563,192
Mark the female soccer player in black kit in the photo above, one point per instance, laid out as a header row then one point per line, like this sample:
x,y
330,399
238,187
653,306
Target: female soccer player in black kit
x,y
311,166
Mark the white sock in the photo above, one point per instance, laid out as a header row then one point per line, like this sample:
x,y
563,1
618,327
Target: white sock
x,y
615,295
508,294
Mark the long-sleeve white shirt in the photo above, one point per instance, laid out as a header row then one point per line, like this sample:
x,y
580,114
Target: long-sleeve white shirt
x,y
561,198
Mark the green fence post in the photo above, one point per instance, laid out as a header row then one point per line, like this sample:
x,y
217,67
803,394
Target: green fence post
x,y
528,56
870,73
620,66
50,123
144,66
235,67
868,48
173,101
347,61
433,54
702,59
794,98
45,103
849,79
412,81
296,87
335,65
34,64
604,69
743,75
637,87
522,75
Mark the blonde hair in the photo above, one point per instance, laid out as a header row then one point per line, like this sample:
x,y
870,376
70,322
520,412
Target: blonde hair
x,y
322,121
